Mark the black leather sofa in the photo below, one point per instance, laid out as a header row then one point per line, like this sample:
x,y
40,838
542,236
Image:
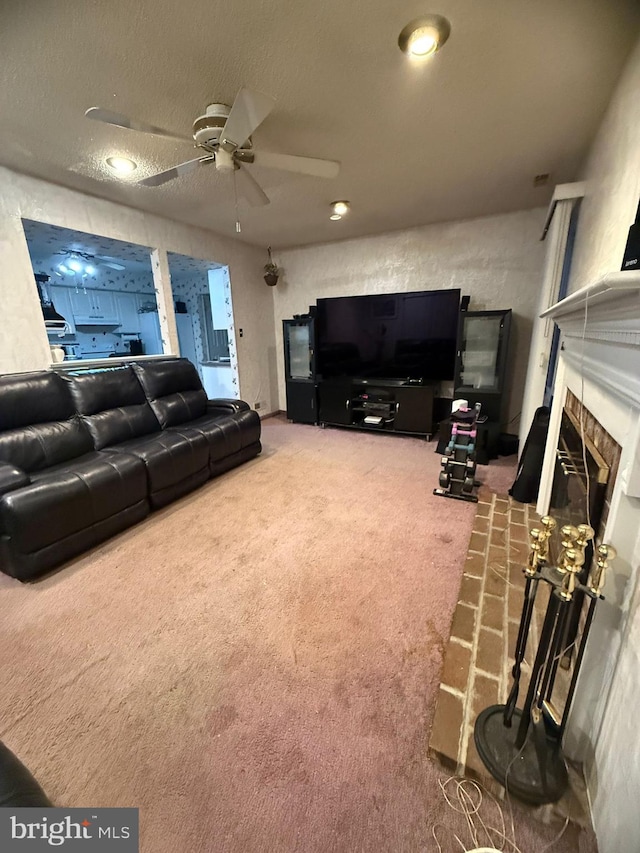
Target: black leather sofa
x,y
18,788
85,455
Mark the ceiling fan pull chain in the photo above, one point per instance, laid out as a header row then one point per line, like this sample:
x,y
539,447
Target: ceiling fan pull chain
x,y
235,199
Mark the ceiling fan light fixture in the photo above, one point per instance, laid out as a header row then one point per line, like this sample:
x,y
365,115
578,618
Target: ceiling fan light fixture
x,y
422,37
335,217
75,265
340,208
121,165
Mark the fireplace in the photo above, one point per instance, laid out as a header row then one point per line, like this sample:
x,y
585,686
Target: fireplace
x,y
599,368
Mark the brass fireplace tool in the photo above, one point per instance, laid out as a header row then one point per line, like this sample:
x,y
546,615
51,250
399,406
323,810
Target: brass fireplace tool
x,y
527,758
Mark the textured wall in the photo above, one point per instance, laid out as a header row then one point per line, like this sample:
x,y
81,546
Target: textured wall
x,y
613,184
24,345
497,260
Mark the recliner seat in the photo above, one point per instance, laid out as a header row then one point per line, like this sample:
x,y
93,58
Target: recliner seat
x,y
176,395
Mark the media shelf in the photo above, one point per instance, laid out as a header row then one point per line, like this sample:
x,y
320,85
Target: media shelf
x,y
384,405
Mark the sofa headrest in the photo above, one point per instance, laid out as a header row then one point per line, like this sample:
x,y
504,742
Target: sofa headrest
x,y
113,405
174,390
38,423
33,398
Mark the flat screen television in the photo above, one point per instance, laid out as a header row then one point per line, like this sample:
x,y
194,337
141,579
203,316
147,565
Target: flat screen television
x,y
388,336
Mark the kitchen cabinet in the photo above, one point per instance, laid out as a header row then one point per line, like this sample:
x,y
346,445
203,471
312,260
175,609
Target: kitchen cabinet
x,y
127,312
61,297
94,307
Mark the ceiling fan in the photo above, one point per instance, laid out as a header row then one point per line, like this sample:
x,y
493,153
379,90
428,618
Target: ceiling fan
x,y
223,133
73,261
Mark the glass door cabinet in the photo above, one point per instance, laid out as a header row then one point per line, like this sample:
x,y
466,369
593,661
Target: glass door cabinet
x,y
482,360
300,369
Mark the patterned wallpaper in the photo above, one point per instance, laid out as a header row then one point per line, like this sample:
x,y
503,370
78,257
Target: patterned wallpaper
x,y
188,289
45,240
132,279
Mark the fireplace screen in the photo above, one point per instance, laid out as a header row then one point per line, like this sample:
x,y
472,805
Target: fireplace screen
x,y
574,488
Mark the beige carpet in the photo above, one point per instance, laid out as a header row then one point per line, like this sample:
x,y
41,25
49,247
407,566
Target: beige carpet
x,y
255,666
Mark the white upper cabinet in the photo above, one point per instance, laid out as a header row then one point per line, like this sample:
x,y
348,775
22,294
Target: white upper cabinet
x,y
127,311
94,307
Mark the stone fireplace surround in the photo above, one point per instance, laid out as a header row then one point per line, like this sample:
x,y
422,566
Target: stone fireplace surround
x,y
600,365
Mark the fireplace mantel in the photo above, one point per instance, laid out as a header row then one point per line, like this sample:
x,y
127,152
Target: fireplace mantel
x,y
611,306
600,326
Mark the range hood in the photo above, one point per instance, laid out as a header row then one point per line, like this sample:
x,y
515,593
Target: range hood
x,y
53,321
87,320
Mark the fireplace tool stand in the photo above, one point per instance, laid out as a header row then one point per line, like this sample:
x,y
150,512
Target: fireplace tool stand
x,y
527,757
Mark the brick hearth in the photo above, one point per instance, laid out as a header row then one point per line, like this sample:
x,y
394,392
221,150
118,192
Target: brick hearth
x,y
479,656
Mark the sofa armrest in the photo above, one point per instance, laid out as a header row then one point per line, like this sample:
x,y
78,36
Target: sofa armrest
x,y
12,478
226,407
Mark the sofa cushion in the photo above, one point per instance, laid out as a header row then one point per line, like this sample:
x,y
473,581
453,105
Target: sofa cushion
x,y
113,405
226,434
38,423
169,457
69,497
173,389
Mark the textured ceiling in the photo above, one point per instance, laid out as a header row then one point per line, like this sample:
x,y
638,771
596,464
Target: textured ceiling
x,y
518,90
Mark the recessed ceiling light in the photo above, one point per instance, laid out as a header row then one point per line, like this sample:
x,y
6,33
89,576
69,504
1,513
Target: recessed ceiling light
x,y
122,165
340,207
424,36
335,217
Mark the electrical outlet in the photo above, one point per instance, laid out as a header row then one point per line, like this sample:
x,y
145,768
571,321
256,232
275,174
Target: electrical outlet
x,y
257,405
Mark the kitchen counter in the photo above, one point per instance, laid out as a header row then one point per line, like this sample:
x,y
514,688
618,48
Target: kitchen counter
x,y
75,363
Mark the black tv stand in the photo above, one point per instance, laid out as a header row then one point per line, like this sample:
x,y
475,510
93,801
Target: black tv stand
x,y
382,405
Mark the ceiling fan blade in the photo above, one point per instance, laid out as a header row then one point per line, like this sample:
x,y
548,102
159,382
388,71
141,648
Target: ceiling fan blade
x,y
119,120
175,172
250,188
292,163
249,110
111,265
